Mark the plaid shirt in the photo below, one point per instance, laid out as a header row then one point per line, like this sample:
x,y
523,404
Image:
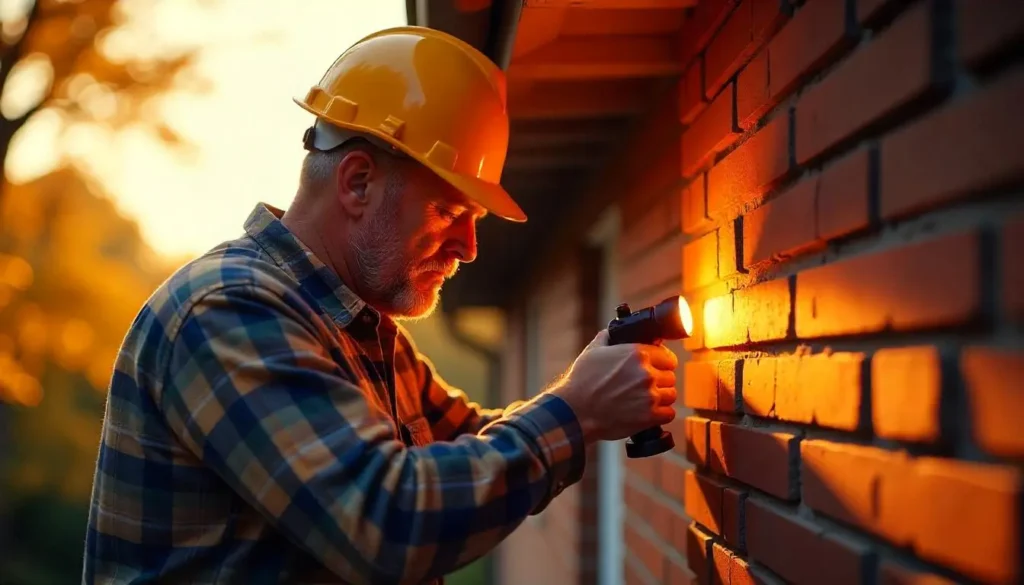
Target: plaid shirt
x,y
265,425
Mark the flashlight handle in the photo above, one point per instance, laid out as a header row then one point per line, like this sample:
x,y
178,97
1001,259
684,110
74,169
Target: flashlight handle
x,y
649,442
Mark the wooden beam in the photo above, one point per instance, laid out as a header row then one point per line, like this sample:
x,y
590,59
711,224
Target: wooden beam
x,y
538,134
578,100
547,160
605,57
580,22
610,4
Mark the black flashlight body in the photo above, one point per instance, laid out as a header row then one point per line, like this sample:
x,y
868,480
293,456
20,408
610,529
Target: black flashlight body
x,y
649,326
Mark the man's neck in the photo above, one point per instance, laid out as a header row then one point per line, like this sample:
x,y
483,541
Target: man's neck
x,y
305,224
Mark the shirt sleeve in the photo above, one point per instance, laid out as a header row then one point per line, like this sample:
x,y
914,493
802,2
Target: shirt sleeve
x,y
252,389
448,409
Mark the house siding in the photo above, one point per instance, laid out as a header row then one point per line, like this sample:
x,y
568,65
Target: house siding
x,y
837,192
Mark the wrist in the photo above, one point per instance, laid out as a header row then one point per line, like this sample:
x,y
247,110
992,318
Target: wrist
x,y
588,425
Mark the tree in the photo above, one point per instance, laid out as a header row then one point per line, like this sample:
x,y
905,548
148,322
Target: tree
x,y
70,56
68,289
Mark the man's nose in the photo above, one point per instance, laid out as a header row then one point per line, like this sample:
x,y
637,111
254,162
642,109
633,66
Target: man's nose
x,y
462,241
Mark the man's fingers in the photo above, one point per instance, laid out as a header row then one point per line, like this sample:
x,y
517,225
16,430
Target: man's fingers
x,y
661,357
667,396
664,415
664,378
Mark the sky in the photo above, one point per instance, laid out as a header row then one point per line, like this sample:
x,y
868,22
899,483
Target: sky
x,y
246,131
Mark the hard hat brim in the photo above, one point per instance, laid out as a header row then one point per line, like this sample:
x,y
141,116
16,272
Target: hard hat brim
x,y
491,196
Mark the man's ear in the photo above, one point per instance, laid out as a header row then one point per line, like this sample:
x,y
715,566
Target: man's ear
x,y
354,174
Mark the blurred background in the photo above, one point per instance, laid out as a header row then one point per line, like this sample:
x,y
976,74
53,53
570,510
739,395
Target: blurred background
x,y
134,135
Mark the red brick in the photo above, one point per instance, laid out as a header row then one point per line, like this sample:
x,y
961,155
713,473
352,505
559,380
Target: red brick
x,y
645,468
698,553
697,30
673,474
732,570
720,328
1013,268
753,94
995,401
894,574
732,504
660,518
968,518
801,552
759,387
822,388
727,398
769,16
986,29
835,382
813,38
721,565
741,179
887,73
633,576
659,221
703,499
712,131
782,227
928,284
656,266
697,440
727,265
745,30
760,458
843,197
873,12
756,314
729,47
906,389
700,385
764,309
691,92
863,486
955,513
954,153
648,553
693,206
700,262
679,574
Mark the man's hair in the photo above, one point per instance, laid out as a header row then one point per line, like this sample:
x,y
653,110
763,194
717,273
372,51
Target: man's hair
x,y
318,167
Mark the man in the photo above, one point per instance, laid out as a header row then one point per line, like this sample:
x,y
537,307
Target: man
x,y
268,419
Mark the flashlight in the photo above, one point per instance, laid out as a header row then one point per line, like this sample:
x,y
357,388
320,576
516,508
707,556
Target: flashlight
x,y
669,319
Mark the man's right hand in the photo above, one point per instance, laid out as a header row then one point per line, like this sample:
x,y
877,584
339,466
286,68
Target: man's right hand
x,y
619,390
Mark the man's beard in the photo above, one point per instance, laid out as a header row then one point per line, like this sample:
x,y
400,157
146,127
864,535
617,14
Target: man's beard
x,y
379,254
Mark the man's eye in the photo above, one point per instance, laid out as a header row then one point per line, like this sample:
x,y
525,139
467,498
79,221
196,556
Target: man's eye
x,y
446,213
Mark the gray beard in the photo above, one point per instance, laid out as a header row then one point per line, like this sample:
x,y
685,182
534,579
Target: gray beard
x,y
377,250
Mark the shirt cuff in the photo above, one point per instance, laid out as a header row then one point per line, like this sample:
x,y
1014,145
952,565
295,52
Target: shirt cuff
x,y
552,424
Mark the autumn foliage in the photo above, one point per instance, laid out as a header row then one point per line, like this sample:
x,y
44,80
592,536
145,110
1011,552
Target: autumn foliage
x,y
73,271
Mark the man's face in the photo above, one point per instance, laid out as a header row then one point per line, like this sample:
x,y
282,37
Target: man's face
x,y
417,231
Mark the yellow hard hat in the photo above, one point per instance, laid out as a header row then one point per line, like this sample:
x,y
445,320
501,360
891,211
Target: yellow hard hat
x,y
429,95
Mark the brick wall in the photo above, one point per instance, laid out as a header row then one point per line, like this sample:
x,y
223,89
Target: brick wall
x,y
848,226
559,545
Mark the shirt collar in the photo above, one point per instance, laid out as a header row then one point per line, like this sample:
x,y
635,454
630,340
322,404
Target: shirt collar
x,y
264,225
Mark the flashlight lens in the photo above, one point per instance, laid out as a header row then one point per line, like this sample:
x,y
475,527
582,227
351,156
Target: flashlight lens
x,y
685,315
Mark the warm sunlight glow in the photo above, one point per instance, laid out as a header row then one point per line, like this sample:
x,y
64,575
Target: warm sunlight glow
x,y
245,133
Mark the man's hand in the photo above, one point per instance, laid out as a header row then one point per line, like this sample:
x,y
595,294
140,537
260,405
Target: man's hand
x,y
620,390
